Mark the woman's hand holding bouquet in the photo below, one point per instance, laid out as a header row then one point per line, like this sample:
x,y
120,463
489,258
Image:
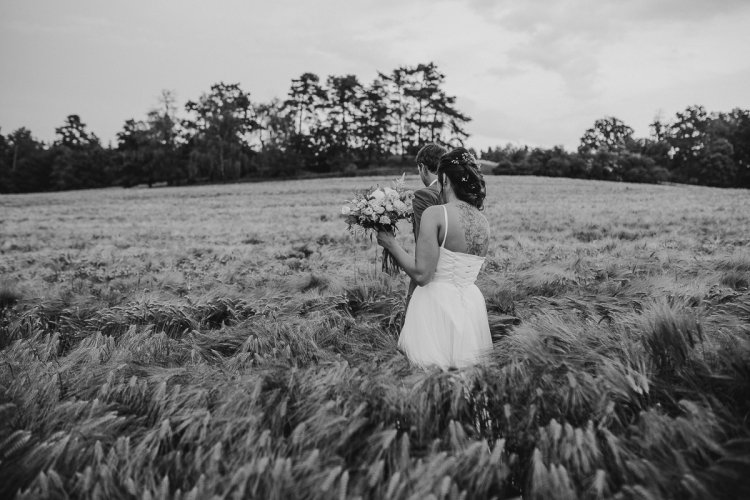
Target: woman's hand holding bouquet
x,y
380,209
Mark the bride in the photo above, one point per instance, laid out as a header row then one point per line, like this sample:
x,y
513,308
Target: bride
x,y
446,321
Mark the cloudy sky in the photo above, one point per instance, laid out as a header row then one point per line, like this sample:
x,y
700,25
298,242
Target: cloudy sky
x,y
530,72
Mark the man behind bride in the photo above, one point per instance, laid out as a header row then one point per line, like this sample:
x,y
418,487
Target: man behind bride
x,y
427,164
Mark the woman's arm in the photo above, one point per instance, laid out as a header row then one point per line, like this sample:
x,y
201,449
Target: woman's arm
x,y
421,268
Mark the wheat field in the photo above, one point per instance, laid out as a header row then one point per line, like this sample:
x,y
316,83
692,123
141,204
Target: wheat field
x,y
234,341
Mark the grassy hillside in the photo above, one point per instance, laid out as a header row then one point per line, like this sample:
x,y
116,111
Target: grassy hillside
x,y
234,341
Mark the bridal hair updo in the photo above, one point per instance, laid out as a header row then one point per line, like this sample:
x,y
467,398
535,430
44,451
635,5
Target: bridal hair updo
x,y
465,175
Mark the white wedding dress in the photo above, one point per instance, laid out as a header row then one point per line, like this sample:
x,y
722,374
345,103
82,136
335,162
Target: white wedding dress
x,y
446,321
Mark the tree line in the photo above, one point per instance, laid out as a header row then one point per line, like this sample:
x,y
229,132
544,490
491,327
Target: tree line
x,y
695,147
343,126
336,125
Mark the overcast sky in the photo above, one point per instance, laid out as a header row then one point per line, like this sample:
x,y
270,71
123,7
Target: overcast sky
x,y
529,72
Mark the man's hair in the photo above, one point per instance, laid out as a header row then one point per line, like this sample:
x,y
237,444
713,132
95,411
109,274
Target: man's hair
x,y
430,155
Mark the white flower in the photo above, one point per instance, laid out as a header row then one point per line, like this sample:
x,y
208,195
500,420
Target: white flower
x,y
390,191
400,206
379,209
375,217
385,220
378,194
345,210
367,211
389,207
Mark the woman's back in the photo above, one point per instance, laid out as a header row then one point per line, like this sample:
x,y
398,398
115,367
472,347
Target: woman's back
x,y
460,266
468,230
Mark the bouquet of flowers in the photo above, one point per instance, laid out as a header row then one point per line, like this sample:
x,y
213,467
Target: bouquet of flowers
x,y
380,208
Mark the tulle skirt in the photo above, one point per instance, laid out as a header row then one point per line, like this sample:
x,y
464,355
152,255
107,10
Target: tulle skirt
x,y
446,326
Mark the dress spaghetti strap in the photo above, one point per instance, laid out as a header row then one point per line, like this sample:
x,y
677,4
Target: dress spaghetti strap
x,y
445,235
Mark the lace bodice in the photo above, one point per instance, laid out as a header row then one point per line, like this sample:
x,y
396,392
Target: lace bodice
x,y
460,269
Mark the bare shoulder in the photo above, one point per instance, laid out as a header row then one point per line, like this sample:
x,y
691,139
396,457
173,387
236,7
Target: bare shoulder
x,y
433,213
431,222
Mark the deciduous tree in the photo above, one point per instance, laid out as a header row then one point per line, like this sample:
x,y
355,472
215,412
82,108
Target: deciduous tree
x,y
608,134
218,130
